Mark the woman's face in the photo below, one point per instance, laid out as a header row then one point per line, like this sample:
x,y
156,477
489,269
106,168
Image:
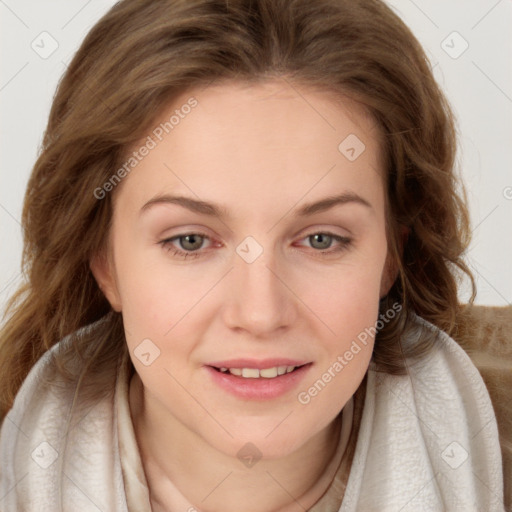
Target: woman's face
x,y
250,239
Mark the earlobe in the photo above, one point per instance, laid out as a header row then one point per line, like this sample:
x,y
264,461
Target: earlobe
x,y
102,270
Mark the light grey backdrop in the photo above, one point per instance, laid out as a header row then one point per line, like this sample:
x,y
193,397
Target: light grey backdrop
x,y
468,42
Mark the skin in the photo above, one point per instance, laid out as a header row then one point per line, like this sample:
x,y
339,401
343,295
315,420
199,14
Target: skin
x,y
261,151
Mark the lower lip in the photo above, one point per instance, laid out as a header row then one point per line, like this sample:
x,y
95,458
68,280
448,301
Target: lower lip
x,y
260,388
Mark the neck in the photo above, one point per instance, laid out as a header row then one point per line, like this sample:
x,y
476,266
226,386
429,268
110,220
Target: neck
x,y
178,463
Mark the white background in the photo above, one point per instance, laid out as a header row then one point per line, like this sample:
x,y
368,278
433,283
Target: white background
x,y
478,84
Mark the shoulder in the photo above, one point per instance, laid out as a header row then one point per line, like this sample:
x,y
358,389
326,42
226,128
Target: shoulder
x,y
51,387
42,394
429,436
445,366
53,443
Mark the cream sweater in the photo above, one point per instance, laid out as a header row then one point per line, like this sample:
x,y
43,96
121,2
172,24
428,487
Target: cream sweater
x,y
427,441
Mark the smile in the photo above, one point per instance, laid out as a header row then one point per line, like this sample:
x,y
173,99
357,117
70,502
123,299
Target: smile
x,y
260,383
255,373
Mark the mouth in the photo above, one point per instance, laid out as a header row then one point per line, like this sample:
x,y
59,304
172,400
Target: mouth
x,y
253,381
259,373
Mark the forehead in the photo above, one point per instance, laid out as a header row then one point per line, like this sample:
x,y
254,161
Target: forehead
x,y
271,139
274,103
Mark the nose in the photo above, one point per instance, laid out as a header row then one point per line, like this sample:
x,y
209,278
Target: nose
x,y
260,300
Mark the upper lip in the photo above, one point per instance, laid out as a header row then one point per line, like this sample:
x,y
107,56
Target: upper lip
x,y
260,364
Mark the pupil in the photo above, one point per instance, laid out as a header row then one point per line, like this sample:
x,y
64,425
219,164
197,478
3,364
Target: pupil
x,y
323,239
189,239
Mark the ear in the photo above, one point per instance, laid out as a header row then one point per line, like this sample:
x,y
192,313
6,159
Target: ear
x,y
391,267
389,275
103,270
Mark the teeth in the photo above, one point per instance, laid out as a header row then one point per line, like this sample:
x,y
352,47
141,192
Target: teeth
x,y
255,373
250,373
269,373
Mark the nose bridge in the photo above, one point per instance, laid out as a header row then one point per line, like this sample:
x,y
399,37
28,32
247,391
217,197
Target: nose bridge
x,y
259,301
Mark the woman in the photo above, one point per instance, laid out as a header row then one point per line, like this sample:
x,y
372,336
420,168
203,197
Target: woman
x,y
241,238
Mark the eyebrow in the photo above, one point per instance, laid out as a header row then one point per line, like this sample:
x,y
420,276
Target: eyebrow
x,y
213,210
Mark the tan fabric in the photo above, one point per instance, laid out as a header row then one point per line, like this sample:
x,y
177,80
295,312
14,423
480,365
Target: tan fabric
x,y
485,333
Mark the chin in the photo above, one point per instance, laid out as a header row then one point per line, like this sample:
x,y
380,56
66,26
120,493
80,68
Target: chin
x,y
270,442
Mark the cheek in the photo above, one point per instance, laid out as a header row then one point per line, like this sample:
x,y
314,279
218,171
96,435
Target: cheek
x,y
155,296
350,313
348,310
346,299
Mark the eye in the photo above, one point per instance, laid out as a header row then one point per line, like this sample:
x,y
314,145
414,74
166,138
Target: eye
x,y
190,242
322,241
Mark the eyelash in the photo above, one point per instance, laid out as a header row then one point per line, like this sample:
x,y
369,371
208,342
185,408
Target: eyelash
x,y
167,244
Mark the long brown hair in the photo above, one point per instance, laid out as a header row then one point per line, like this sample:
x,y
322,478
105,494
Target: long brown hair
x,y
142,54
